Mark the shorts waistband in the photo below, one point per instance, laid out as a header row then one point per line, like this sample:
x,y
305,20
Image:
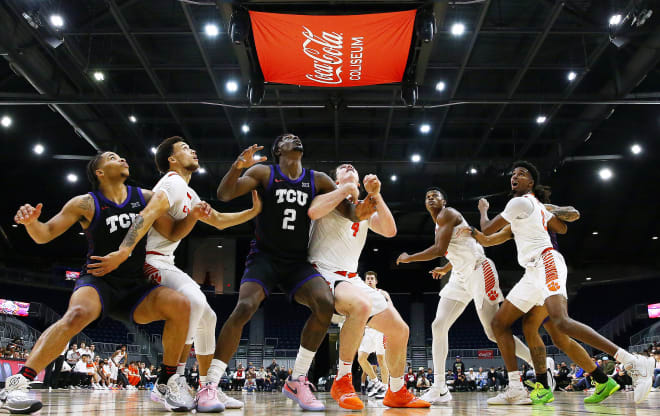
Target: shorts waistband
x,y
156,253
344,273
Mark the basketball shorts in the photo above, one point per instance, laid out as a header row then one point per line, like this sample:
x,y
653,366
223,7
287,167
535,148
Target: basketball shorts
x,y
334,277
480,284
119,296
372,341
544,278
269,272
161,270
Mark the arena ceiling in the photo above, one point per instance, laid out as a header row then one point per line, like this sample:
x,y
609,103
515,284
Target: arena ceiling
x,y
597,85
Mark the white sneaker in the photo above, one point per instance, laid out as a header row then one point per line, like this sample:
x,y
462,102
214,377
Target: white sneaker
x,y
511,395
550,366
172,397
641,372
380,394
14,397
435,396
374,388
229,402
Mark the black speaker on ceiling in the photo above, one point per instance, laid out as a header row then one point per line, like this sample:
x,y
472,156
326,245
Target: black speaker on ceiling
x,y
409,94
425,27
256,91
239,26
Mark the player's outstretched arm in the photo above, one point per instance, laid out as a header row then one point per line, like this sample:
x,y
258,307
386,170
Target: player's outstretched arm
x,y
76,209
329,196
566,214
382,222
496,239
175,230
445,221
557,225
157,206
222,220
233,184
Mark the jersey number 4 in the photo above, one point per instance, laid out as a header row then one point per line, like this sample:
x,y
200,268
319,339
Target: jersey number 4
x,y
289,216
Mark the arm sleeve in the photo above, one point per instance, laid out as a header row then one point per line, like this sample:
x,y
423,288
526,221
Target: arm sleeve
x,y
174,188
517,209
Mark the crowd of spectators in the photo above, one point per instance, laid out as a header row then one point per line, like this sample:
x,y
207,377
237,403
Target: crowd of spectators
x,y
80,367
14,350
252,378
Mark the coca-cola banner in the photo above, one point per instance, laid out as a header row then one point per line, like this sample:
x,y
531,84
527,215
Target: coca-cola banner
x,y
333,51
485,354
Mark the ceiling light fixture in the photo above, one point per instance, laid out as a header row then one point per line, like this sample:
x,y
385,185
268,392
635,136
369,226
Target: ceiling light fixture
x,y
56,20
245,128
211,30
541,119
605,174
153,150
72,178
615,19
571,76
38,149
231,86
132,118
636,149
425,128
416,158
457,29
6,121
440,86
393,178
99,76
201,170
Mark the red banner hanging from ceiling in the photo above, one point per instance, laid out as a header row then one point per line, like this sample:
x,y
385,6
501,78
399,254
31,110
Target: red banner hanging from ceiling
x,y
333,51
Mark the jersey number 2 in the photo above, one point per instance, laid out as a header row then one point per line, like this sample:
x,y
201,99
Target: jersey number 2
x,y
355,227
289,216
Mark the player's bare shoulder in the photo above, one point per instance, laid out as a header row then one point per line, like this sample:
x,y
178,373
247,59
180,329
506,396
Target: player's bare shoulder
x,y
449,216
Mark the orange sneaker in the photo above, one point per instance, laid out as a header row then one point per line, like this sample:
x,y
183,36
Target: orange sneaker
x,y
344,393
403,398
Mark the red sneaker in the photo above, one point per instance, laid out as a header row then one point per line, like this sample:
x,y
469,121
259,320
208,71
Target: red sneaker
x,y
344,393
403,398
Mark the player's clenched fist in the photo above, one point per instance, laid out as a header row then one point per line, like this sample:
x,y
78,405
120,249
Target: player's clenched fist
x,y
28,214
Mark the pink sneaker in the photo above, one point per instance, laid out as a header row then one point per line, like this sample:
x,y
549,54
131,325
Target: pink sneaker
x,y
299,392
207,399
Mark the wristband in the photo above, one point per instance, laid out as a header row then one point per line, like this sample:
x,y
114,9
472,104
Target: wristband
x,y
472,231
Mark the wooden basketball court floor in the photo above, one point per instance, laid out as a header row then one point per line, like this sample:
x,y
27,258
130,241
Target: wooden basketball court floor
x,y
110,403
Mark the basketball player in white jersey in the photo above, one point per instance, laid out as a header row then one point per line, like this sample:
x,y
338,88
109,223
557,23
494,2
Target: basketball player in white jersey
x,y
473,277
544,284
374,342
334,248
178,161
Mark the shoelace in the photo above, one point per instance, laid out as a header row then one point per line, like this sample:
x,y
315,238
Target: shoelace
x,y
306,392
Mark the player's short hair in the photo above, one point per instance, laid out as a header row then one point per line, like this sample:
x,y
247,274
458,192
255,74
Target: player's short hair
x,y
273,148
164,151
533,171
438,189
92,165
372,273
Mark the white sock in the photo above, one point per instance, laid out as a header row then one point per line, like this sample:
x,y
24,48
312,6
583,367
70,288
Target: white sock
x,y
303,362
344,368
181,369
623,356
514,379
216,370
396,383
202,380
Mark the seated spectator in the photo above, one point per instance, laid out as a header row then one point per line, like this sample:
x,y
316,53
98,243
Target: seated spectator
x,y
450,379
81,373
430,376
461,381
562,376
482,379
133,375
273,366
503,376
261,376
238,378
471,380
622,378
268,381
193,376
250,380
493,379
423,383
581,380
411,380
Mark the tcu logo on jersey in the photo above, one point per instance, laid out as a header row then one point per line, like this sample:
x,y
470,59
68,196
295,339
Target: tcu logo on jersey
x,y
124,221
291,196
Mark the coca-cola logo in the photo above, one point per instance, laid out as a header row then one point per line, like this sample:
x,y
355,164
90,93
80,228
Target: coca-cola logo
x,y
326,53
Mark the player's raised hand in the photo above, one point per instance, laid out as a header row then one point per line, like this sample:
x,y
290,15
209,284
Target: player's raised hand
x,y
246,158
403,258
27,214
352,192
371,184
483,205
201,209
256,201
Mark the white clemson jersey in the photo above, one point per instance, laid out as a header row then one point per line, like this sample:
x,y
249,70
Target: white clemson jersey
x,y
463,252
336,242
181,199
529,223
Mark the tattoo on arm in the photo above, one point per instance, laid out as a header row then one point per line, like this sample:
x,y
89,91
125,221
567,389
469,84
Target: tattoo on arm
x,y
565,214
132,234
